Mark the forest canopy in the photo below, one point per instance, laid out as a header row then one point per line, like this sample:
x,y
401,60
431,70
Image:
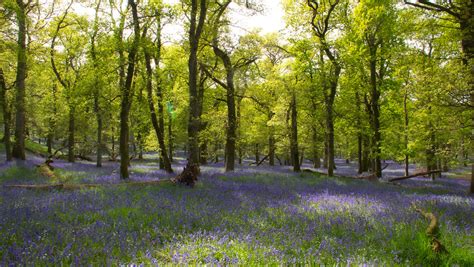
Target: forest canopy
x,y
367,81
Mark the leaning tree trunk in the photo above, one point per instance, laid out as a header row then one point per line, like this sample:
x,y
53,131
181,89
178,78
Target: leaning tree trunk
x,y
126,94
18,151
6,116
164,159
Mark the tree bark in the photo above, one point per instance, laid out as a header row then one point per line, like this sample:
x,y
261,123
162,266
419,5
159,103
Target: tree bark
x,y
71,133
97,109
375,96
195,30
405,110
294,135
271,141
154,119
157,121
18,151
316,158
126,95
257,153
170,137
6,117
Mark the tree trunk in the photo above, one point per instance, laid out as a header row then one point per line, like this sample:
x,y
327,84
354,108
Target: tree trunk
x,y
231,121
203,153
375,95
405,110
330,138
257,153
170,137
316,158
126,94
195,30
159,131
97,109
271,141
325,159
71,134
271,148
18,151
294,135
6,117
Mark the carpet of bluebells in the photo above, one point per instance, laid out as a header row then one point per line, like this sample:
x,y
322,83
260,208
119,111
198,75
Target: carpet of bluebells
x,y
253,216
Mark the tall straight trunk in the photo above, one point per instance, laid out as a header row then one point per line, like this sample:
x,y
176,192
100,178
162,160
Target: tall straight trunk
x,y
365,153
18,151
170,137
294,135
154,118
231,122
271,148
431,159
6,117
271,141
113,156
359,135
52,121
405,110
97,109
71,134
330,138
203,153
325,159
161,122
257,154
126,94
195,30
375,95
316,159
239,130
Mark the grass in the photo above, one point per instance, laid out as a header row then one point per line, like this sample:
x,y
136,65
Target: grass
x,y
243,219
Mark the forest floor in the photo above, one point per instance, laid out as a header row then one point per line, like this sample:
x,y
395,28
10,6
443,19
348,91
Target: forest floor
x,y
253,216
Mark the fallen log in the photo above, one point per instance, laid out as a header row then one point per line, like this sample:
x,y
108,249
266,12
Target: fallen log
x,y
80,186
413,175
432,231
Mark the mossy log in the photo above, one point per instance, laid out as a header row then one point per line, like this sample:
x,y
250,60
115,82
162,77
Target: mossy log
x,y
432,231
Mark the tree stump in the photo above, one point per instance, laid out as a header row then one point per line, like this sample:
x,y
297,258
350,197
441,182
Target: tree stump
x,y
188,176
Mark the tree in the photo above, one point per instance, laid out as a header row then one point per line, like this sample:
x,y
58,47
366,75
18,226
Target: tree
x,y
197,19
462,12
158,123
97,90
20,117
127,93
71,71
322,25
6,116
